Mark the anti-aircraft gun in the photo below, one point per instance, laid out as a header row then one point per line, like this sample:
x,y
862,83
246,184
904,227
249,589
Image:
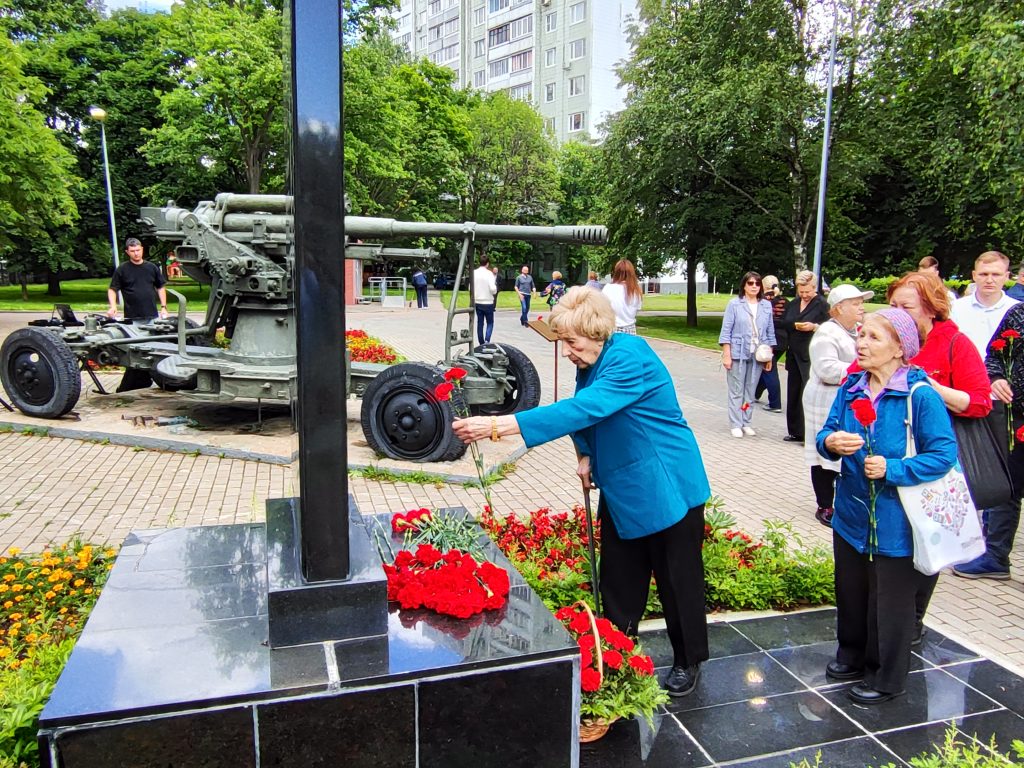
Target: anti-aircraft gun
x,y
241,245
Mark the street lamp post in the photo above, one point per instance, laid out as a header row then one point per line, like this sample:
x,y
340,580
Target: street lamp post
x,y
100,116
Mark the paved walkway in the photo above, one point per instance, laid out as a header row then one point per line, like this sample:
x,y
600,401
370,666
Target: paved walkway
x,y
54,489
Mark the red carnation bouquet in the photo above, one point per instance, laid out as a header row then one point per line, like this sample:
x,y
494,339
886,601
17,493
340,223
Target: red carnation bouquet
x,y
453,380
452,583
1003,344
617,679
864,412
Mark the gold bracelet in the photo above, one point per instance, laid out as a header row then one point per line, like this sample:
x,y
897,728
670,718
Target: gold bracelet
x,y
495,437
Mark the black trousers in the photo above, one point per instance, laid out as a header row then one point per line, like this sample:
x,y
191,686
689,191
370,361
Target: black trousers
x,y
824,483
875,614
796,380
674,557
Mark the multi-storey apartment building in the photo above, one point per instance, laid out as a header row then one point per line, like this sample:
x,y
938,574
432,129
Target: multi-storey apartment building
x,y
559,55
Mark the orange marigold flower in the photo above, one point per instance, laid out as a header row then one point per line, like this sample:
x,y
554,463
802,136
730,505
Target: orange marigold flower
x,y
50,595
63,611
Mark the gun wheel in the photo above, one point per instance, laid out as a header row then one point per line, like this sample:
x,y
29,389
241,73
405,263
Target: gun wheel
x,y
40,373
525,382
402,419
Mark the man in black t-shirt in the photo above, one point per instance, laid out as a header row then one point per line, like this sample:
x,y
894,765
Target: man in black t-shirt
x,y
140,282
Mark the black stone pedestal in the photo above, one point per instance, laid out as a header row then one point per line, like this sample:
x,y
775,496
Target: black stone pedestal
x,y
174,668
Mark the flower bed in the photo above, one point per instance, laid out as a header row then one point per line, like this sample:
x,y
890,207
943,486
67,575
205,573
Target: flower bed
x,y
363,348
550,551
44,601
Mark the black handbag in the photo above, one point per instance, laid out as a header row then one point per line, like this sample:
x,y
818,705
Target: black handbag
x,y
983,459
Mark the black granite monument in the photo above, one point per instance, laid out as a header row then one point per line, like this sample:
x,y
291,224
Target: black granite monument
x,y
272,645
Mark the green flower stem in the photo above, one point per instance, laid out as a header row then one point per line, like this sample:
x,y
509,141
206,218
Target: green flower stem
x,y
872,496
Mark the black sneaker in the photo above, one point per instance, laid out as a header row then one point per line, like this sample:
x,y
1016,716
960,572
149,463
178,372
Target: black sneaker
x,y
682,680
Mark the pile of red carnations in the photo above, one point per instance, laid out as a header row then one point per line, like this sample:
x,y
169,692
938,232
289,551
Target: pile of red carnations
x,y
452,583
616,677
409,522
555,541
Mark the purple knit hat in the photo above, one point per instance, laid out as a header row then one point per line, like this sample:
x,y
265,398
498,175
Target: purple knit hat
x,y
906,329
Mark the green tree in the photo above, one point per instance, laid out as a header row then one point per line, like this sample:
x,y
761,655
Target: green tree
x,y
36,175
223,123
583,189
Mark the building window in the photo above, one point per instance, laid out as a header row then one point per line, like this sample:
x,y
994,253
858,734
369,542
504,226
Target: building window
x,y
479,79
479,48
577,122
497,5
549,92
497,36
521,27
577,85
577,12
434,33
522,92
451,26
517,3
549,125
434,7
551,22
498,68
522,61
479,16
550,57
450,52
577,49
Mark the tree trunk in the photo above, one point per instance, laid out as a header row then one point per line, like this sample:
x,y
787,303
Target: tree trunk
x,y
23,282
799,254
53,284
691,291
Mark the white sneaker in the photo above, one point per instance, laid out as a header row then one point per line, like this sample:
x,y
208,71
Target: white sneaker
x,y
736,432
749,431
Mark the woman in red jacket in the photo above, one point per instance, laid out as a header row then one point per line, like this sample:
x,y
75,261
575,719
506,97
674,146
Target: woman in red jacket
x,y
953,365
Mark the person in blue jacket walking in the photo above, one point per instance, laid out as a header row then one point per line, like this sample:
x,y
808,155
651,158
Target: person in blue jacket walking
x,y
876,582
633,442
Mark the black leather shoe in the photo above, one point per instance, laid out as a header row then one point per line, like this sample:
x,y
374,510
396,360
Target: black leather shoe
x,y
682,680
862,694
824,516
793,439
837,671
919,632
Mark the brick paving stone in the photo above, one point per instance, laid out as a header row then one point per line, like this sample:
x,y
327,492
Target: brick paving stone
x,y
53,489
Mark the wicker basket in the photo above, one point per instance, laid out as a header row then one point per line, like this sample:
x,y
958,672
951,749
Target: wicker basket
x,y
592,730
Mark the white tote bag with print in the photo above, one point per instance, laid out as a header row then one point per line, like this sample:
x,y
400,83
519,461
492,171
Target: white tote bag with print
x,y
942,516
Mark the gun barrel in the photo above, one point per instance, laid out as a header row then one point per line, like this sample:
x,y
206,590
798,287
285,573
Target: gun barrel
x,y
367,227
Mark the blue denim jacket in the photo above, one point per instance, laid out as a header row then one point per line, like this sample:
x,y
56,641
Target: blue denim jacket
x,y
936,454
738,331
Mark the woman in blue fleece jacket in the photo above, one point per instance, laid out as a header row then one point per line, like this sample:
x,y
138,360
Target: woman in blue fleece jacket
x,y
875,578
633,442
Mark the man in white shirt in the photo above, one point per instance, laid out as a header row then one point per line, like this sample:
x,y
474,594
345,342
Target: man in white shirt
x,y
979,314
485,288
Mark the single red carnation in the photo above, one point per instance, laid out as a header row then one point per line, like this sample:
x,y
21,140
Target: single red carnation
x,y
428,554
998,345
612,659
1009,333
590,680
580,623
1020,435
642,664
864,411
454,374
443,391
565,613
586,658
604,627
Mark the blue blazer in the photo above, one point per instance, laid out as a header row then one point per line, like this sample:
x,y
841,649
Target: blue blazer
x,y
737,330
936,455
626,418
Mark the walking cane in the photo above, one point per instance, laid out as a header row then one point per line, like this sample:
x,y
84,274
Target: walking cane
x,y
590,545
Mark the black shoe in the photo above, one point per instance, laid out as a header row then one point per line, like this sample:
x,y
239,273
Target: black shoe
x,y
837,671
682,680
863,694
824,516
772,410
793,439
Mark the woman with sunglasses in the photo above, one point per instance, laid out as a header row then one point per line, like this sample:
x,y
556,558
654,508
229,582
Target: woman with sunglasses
x,y
747,325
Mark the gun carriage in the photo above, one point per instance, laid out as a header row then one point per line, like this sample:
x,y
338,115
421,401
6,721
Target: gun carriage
x,y
242,246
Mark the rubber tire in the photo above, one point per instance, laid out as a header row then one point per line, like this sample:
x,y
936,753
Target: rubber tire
x,y
414,383
526,394
60,362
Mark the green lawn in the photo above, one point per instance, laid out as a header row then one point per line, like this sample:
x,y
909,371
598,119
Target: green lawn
x,y
89,296
705,335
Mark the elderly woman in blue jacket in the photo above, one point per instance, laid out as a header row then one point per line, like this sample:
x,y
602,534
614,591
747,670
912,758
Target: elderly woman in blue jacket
x,y
633,442
747,324
875,578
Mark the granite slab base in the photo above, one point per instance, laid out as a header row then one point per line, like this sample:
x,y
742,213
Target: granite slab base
x,y
174,669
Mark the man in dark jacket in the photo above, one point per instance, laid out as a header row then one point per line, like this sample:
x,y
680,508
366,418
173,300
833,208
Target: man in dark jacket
x,y
801,319
770,377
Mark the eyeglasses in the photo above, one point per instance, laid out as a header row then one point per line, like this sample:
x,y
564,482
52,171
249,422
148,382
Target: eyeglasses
x,y
753,282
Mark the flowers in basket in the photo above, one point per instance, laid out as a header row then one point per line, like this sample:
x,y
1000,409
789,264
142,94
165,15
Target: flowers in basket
x,y
617,679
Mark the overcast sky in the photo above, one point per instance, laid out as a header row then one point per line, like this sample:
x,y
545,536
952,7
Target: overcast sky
x,y
142,5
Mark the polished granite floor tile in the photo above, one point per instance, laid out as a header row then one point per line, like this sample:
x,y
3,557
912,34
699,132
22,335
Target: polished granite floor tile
x,y
849,753
790,629
940,650
631,744
994,681
915,740
1003,726
931,695
808,662
736,678
763,726
723,640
